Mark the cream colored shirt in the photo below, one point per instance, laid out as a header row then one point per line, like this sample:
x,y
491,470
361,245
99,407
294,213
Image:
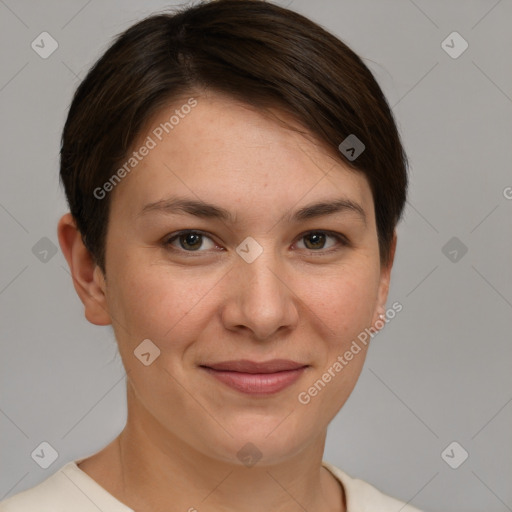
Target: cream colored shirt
x,y
72,490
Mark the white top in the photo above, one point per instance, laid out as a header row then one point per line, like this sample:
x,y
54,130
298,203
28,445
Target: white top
x,y
71,489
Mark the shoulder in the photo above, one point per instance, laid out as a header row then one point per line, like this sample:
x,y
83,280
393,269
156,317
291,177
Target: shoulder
x,y
364,497
40,497
67,489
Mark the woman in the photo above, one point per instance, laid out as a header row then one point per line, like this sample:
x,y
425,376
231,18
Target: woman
x,y
234,176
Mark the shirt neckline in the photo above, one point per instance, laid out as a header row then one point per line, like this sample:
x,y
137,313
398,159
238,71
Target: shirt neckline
x,y
118,506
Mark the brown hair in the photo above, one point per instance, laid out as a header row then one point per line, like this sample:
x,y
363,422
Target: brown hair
x,y
254,51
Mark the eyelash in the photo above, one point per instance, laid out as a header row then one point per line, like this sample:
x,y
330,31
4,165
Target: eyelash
x,y
341,239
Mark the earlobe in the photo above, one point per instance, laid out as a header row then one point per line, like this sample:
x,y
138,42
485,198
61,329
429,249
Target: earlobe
x,y
88,278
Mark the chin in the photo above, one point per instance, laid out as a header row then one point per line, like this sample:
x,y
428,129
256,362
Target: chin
x,y
262,441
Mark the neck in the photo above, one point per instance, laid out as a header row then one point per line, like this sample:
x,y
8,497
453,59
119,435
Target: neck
x,y
148,468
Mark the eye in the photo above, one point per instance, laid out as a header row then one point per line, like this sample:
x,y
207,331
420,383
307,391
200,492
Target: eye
x,y
316,240
190,241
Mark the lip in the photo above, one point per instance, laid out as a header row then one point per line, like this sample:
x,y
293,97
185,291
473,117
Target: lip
x,y
257,378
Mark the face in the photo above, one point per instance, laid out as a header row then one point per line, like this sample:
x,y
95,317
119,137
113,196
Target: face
x,y
255,273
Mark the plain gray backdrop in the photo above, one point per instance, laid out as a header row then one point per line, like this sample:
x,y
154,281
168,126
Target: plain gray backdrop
x,y
439,373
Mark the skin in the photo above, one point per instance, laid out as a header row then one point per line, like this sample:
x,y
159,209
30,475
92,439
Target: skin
x,y
296,301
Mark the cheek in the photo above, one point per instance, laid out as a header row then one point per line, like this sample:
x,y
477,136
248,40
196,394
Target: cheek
x,y
162,304
345,307
345,302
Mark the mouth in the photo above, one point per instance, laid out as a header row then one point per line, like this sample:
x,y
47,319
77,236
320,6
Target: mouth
x,y
256,378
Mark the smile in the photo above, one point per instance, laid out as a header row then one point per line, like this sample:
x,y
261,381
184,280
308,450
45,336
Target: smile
x,y
256,378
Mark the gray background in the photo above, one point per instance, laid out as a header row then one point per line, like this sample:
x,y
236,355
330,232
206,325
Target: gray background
x,y
439,372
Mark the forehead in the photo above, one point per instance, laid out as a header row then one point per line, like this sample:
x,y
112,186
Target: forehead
x,y
225,151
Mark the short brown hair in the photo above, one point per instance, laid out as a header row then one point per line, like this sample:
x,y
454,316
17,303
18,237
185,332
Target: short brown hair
x,y
254,51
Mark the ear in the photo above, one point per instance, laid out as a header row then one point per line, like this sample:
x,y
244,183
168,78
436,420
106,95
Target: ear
x,y
385,277
88,278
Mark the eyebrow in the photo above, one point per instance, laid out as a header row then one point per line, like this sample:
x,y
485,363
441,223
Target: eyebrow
x,y
209,211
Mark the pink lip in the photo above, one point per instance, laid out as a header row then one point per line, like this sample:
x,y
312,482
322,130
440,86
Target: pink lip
x,y
257,378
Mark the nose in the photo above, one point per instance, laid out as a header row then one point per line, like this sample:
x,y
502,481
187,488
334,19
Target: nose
x,y
260,299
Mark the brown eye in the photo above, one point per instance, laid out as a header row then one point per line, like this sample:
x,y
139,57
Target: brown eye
x,y
189,241
316,241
